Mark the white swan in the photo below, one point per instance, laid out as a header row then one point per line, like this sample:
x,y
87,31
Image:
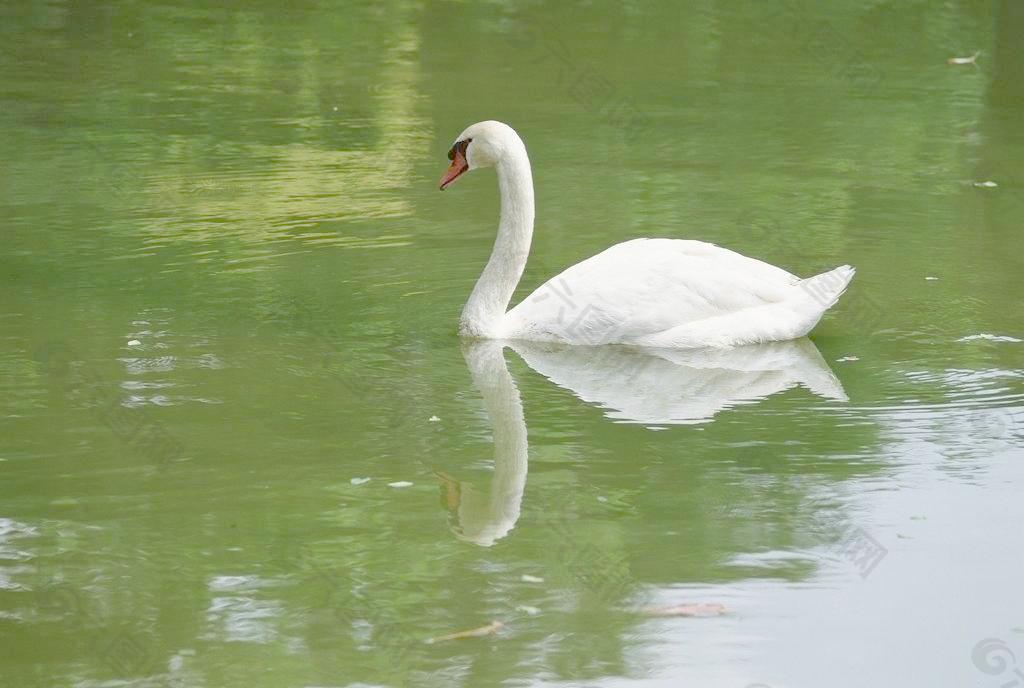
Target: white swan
x,y
652,292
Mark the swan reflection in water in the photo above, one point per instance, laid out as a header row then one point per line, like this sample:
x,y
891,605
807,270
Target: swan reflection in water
x,y
634,385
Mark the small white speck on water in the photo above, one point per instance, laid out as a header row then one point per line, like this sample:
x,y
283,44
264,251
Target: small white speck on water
x,y
987,184
400,483
359,481
985,336
845,359
969,60
134,342
433,419
602,499
527,578
528,610
930,278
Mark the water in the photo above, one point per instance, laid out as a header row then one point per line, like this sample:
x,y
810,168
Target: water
x,y
229,295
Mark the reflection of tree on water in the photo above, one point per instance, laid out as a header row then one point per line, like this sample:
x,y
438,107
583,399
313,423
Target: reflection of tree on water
x,y
341,151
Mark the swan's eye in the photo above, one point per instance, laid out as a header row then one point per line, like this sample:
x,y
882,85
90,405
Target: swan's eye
x,y
460,148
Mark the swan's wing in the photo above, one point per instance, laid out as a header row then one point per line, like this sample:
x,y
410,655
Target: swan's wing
x,y
644,286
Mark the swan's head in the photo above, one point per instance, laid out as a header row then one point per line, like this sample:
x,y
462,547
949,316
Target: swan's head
x,y
483,144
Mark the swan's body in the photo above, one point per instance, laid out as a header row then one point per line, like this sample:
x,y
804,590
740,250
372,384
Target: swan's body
x,y
651,292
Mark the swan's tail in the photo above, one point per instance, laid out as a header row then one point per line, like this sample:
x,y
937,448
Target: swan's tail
x,y
772,322
826,288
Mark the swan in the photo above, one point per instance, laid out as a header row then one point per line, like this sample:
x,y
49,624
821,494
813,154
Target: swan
x,y
668,293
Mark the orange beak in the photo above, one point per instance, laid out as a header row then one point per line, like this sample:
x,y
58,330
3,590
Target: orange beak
x,y
458,166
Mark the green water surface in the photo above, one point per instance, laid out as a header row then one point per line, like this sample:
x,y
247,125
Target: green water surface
x,y
242,445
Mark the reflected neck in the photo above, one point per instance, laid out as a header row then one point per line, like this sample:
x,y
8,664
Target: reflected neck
x,y
488,518
484,311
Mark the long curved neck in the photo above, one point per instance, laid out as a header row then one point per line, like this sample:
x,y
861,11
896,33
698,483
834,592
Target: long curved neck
x,y
486,306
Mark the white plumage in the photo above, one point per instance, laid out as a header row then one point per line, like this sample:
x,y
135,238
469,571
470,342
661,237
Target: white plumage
x,y
651,292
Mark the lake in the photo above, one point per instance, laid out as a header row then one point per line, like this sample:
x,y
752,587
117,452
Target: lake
x,y
241,443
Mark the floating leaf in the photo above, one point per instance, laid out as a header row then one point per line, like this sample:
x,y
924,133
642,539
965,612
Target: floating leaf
x,y
489,629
